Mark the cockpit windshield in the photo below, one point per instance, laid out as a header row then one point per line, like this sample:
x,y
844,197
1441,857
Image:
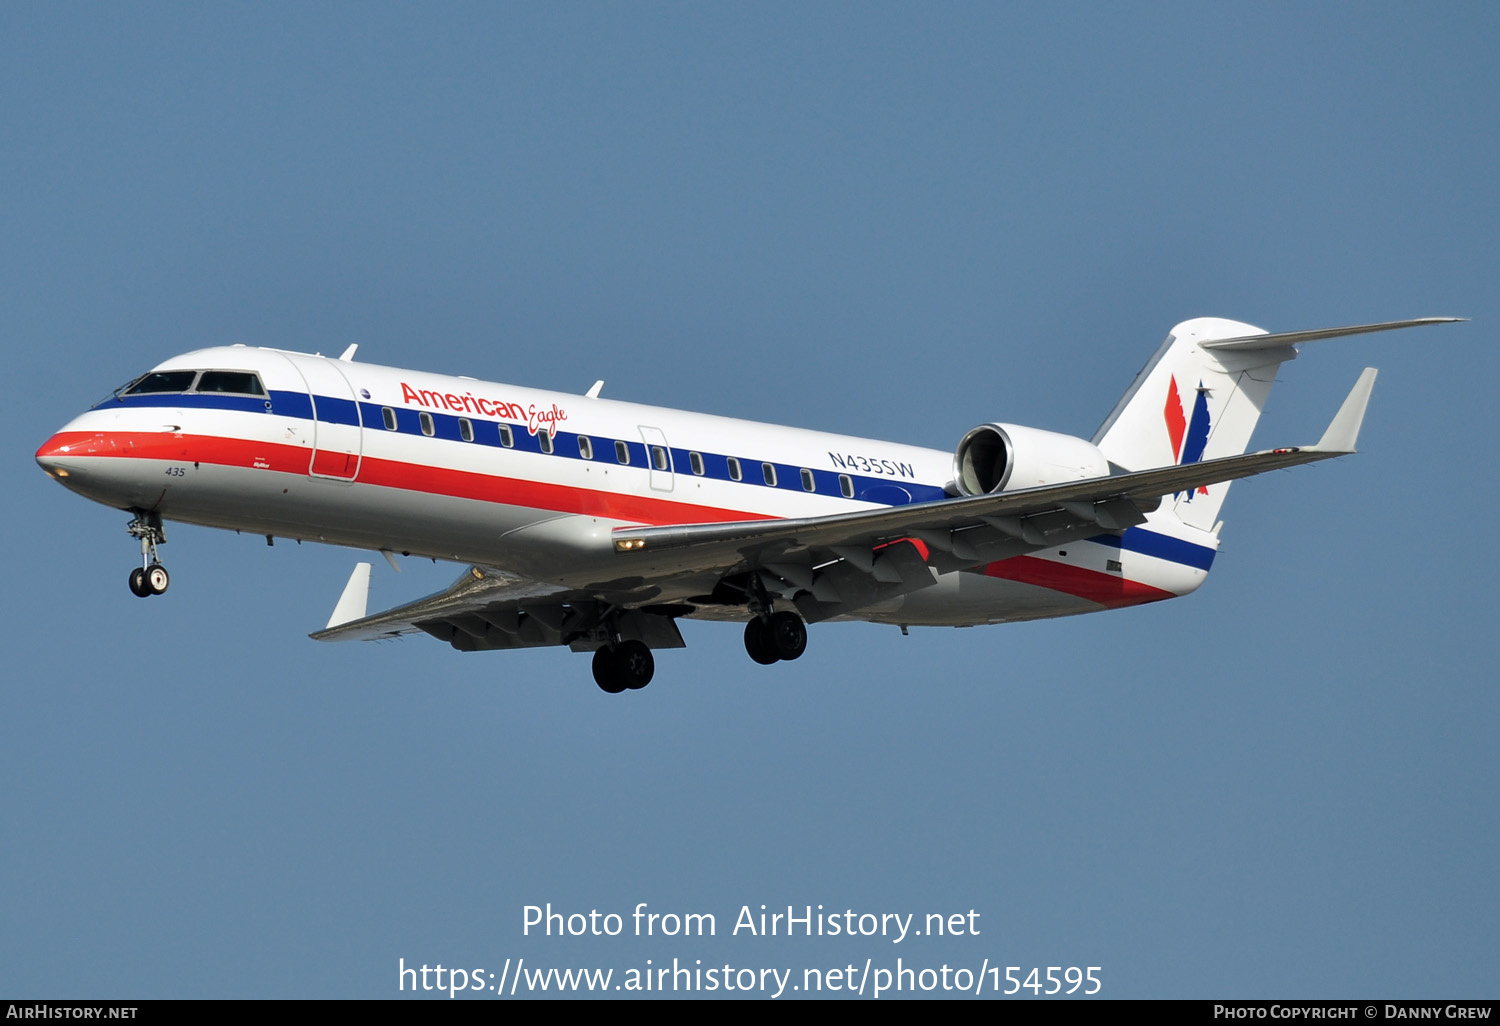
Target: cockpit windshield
x,y
162,381
224,382
238,382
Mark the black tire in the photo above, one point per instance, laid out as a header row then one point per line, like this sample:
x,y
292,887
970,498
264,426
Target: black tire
x,y
138,583
758,643
787,635
606,671
157,579
635,663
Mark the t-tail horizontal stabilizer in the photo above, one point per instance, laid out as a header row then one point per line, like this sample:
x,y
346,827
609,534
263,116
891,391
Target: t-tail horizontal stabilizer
x,y
1246,343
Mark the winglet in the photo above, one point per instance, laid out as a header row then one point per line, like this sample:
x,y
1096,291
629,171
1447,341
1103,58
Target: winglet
x,y
1343,430
355,598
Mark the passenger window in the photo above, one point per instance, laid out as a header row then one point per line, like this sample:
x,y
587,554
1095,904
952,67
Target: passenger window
x,y
734,469
506,438
768,471
808,484
658,457
465,429
696,459
846,485
389,416
163,381
585,447
237,382
545,441
622,452
427,425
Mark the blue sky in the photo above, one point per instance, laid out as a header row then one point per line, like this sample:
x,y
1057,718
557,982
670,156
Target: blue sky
x,y
893,221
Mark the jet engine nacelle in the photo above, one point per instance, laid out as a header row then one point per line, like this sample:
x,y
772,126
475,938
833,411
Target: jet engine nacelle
x,y
1006,457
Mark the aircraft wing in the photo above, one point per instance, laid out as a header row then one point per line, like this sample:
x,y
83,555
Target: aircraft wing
x,y
1113,503
836,564
490,609
828,566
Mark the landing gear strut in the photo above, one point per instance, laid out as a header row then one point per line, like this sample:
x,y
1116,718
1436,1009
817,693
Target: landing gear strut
x,y
627,665
778,636
150,578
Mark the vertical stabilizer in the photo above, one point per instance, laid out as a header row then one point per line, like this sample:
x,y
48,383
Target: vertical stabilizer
x,y
1190,404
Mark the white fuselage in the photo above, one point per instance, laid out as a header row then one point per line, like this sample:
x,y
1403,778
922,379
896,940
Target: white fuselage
x,y
535,482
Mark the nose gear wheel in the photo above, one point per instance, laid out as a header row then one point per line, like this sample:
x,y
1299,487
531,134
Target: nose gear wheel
x,y
150,578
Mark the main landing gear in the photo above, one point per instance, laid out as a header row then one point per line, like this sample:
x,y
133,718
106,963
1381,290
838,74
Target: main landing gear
x,y
778,636
628,665
150,578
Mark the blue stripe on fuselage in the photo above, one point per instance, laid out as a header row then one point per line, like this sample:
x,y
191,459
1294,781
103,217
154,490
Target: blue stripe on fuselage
x,y
1162,546
299,405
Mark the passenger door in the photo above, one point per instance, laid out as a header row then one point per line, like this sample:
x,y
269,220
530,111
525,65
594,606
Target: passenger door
x,y
337,423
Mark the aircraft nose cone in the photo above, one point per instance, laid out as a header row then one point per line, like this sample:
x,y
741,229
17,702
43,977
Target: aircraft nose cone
x,y
66,453
58,443
89,463
53,453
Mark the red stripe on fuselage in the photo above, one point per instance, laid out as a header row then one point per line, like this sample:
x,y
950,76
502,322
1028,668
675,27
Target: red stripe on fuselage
x,y
463,484
1106,589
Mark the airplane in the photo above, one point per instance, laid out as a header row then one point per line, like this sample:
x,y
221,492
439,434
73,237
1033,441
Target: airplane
x,y
598,524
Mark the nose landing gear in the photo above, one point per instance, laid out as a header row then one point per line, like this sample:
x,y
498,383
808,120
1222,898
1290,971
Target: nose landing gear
x,y
150,578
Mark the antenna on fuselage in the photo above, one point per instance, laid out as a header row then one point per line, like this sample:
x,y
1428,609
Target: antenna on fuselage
x,y
593,393
348,355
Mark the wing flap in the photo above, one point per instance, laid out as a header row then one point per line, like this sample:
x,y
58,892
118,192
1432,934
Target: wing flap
x,y
488,609
476,590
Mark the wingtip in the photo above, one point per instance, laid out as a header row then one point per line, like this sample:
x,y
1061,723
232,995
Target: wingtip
x,y
354,600
1343,431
